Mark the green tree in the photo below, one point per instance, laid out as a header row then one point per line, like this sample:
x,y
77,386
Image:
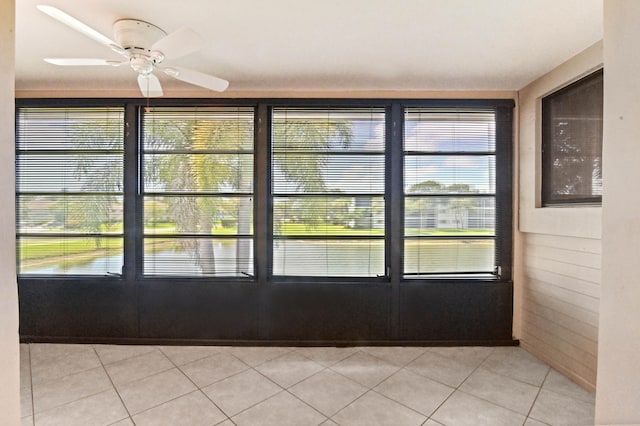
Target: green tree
x,y
301,153
423,208
191,170
100,174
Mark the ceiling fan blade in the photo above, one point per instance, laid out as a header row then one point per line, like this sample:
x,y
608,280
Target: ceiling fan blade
x,y
149,85
72,22
197,78
179,43
83,62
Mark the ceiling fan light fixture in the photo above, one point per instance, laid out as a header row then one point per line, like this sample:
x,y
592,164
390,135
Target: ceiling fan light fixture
x,y
141,64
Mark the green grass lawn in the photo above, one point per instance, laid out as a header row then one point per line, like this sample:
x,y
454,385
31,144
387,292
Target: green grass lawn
x,y
33,249
295,229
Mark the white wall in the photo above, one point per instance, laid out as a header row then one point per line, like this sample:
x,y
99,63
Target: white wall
x,y
558,249
618,395
9,353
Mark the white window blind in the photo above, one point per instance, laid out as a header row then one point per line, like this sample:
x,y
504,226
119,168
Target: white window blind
x,y
198,191
449,190
328,185
69,171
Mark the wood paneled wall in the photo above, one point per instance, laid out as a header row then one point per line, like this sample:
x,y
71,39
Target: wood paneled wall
x,y
560,302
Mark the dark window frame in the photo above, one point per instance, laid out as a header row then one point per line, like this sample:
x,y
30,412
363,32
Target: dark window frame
x,y
417,153
328,193
548,197
263,204
25,153
186,193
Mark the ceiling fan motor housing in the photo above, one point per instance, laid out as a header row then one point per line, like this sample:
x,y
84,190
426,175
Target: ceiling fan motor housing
x,y
137,37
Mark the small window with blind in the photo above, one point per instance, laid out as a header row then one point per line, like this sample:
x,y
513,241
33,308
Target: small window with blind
x,y
197,167
69,181
328,187
572,143
449,192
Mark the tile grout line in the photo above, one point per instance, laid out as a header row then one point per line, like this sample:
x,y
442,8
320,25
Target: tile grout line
x,y
538,393
287,388
369,389
526,416
159,348
457,388
198,389
62,377
282,389
112,384
372,389
66,375
324,367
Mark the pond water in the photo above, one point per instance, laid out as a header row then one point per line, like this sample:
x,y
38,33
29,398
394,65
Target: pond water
x,y
342,258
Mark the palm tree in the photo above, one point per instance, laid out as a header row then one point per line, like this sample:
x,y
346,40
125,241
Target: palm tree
x,y
191,171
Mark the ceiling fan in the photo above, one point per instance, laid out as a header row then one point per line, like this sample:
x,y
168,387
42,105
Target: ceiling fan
x,y
144,47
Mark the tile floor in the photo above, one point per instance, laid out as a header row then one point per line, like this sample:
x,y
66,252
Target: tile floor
x,y
207,385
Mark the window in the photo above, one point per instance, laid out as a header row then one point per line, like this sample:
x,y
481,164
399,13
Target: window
x,y
69,181
328,171
572,143
449,191
197,191
264,191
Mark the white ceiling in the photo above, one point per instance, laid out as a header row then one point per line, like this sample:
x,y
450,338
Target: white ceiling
x,y
311,45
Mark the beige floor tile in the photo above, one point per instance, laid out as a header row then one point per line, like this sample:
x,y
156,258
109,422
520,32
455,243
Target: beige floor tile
x,y
532,422
67,393
518,364
365,369
46,351
556,382
253,356
113,353
209,370
193,409
414,391
327,356
399,356
329,422
138,367
462,409
69,388
181,355
328,391
375,409
154,390
25,366
471,356
501,390
441,369
101,409
45,366
282,409
125,422
289,369
239,392
26,402
560,410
